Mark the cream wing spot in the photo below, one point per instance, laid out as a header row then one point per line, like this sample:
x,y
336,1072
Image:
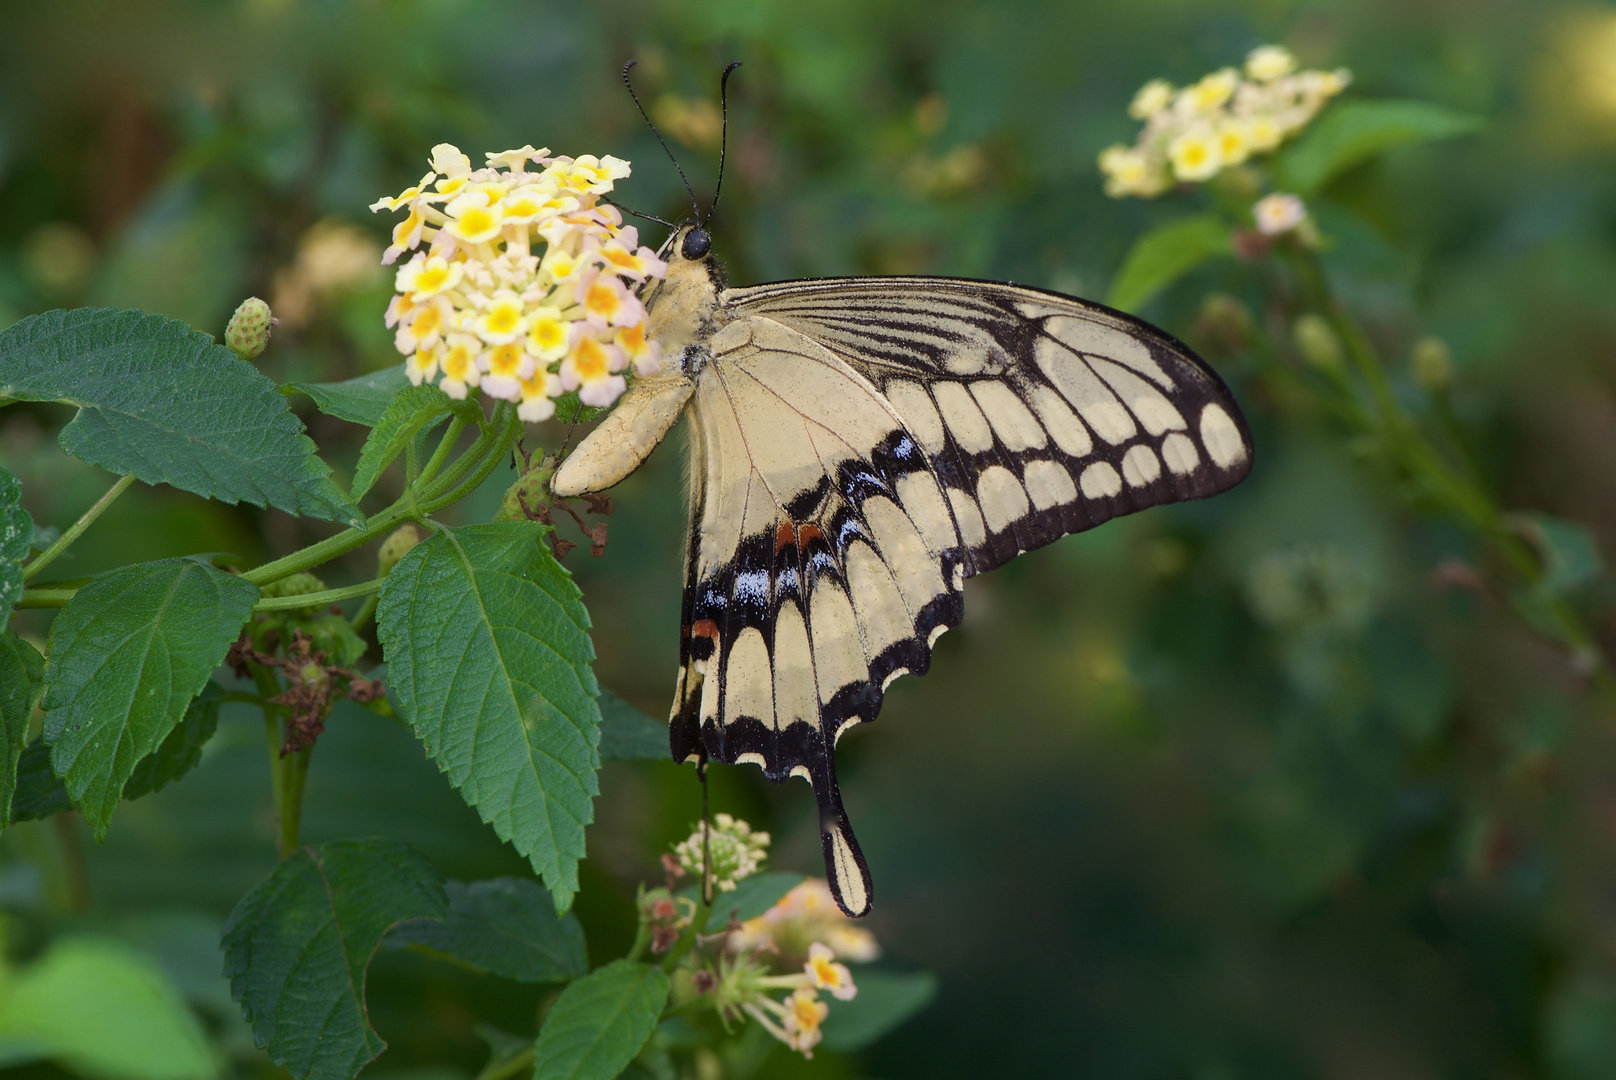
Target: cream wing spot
x,y
838,660
1048,484
917,573
1221,438
795,698
923,502
914,405
1140,466
731,336
972,531
879,606
1100,481
1180,454
1015,426
1001,496
1063,425
752,759
748,680
709,698
1154,411
1080,386
1091,336
963,418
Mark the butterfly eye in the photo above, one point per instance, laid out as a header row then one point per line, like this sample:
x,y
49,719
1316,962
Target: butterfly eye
x,y
697,244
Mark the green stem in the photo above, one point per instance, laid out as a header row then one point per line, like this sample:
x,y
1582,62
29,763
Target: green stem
x,y
687,940
318,599
45,598
268,687
296,773
441,454
363,615
522,1062
48,556
332,546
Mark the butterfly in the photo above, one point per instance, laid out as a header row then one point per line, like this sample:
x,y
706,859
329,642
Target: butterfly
x,y
861,446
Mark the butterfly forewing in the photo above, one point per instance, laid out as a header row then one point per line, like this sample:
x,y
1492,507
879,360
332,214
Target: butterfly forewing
x,y
860,447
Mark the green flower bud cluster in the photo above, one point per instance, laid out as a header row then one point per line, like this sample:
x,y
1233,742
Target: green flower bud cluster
x,y
248,331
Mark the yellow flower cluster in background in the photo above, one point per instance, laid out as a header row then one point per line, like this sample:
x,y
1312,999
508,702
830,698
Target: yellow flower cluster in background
x,y
525,289
1194,132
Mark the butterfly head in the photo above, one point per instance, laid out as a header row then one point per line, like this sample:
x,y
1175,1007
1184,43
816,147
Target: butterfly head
x,y
696,243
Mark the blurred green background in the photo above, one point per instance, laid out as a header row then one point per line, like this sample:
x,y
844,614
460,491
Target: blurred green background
x,y
1261,787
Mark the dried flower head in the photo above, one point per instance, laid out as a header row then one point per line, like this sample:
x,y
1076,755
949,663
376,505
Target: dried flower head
x,y
525,290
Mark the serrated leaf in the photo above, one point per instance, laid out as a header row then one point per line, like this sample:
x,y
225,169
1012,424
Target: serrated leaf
x,y
885,1000
21,671
167,405
1165,254
16,540
360,400
414,410
598,1024
40,793
127,655
627,734
751,896
103,1011
570,409
1354,131
488,655
506,927
297,947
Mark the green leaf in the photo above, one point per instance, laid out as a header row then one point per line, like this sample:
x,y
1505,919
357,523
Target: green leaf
x,y
416,409
1355,131
41,793
169,406
297,947
627,734
103,1011
488,655
1569,550
599,1023
885,1000
16,540
21,671
751,896
361,400
570,409
1165,254
127,655
506,927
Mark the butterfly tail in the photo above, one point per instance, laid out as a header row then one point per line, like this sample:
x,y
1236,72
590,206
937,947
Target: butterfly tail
x,y
845,868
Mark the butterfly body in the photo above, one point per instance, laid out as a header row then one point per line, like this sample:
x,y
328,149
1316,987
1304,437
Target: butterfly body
x,y
859,447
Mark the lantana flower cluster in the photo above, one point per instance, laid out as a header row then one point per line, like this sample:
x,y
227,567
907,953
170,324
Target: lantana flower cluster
x,y
803,934
1194,132
525,289
735,850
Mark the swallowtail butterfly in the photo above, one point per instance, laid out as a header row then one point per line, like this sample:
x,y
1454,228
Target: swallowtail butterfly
x,y
861,446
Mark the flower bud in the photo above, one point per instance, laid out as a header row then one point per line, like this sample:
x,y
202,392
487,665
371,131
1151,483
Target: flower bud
x,y
297,585
1224,321
1432,363
1316,342
395,547
248,331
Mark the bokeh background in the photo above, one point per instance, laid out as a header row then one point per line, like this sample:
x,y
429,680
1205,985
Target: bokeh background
x,y
1270,786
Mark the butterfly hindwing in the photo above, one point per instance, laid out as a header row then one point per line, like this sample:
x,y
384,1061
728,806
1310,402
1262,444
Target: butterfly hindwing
x,y
860,447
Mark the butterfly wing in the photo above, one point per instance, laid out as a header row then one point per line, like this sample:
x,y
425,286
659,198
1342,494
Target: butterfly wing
x,y
860,447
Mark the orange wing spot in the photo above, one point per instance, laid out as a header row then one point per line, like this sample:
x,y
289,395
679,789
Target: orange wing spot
x,y
705,628
807,534
785,535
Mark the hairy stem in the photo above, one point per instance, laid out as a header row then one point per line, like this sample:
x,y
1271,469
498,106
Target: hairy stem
x,y
48,556
319,599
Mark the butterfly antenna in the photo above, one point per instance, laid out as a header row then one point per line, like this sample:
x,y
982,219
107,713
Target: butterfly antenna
x,y
706,839
636,213
688,190
723,138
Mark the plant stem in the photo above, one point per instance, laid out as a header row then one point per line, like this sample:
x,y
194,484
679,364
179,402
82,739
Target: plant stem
x,y
519,1063
45,598
318,599
363,615
296,773
441,454
75,874
48,556
687,940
